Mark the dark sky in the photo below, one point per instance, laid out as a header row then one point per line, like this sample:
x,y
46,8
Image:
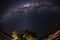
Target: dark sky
x,y
42,22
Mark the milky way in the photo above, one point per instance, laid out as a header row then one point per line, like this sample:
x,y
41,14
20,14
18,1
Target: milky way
x,y
40,17
28,7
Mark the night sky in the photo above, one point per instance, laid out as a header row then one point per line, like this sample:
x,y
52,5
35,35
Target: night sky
x,y
42,20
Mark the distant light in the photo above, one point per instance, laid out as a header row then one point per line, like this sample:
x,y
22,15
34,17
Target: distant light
x,y
27,5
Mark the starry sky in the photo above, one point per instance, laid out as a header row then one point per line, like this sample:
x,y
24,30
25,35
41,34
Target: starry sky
x,y
41,19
